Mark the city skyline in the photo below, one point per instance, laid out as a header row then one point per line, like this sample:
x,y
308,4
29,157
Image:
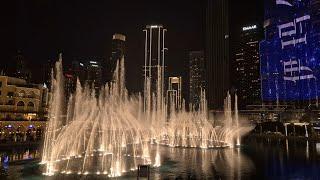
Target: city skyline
x,y
65,33
160,89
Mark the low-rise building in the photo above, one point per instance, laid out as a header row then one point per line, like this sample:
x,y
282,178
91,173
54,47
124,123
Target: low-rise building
x,y
22,101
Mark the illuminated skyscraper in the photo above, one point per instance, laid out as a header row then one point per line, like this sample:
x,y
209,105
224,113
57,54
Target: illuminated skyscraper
x,y
196,76
94,74
290,52
154,66
247,66
217,52
174,92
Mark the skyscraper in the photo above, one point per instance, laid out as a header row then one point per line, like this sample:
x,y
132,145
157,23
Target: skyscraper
x,y
46,69
247,66
174,92
94,74
79,70
154,65
118,50
217,52
290,53
196,76
21,71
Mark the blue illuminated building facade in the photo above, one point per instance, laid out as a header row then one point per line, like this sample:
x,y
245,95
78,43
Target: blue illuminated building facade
x,y
290,53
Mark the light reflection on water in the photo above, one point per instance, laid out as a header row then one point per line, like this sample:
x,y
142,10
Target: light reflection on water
x,y
259,159
199,163
318,148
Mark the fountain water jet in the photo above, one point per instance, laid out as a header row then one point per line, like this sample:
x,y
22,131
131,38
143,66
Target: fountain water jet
x,y
113,133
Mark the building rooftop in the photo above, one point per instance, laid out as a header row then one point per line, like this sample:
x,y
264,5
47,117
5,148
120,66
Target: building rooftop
x,y
119,37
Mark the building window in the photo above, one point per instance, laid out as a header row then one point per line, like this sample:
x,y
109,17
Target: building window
x,y
20,103
10,94
0,84
30,105
10,102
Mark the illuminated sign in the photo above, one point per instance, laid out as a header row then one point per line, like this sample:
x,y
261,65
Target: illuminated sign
x,y
93,62
290,54
249,28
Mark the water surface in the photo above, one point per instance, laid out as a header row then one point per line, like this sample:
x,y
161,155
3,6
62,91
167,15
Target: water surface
x,y
256,159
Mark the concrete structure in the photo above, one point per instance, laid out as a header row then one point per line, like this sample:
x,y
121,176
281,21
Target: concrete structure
x,y
217,52
19,100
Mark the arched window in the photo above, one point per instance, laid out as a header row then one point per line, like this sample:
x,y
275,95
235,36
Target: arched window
x,y
30,104
20,103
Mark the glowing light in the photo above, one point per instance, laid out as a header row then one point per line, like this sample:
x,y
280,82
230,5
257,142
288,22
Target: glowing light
x,y
249,28
112,124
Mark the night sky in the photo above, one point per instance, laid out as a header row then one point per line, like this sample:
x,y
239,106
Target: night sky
x,y
81,29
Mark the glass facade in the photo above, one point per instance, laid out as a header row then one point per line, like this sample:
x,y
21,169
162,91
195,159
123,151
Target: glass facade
x,y
290,65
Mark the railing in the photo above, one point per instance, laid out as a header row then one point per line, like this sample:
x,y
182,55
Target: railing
x,y
24,120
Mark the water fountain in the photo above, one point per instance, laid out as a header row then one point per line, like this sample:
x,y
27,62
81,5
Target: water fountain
x,y
114,133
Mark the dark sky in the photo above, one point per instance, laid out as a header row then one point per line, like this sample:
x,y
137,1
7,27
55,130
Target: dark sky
x,y
43,28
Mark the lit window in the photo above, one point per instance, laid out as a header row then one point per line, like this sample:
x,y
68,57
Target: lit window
x,y
10,94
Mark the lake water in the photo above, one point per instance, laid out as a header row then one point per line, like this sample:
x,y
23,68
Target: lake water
x,y
255,159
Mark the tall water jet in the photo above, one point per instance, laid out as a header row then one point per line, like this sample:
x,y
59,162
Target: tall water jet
x,y
113,133
55,116
236,114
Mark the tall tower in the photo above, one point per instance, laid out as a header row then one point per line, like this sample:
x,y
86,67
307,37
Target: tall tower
x,y
217,52
94,74
197,77
118,51
174,92
154,67
20,70
247,66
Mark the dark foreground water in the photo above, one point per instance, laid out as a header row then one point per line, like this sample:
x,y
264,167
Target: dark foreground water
x,y
256,159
